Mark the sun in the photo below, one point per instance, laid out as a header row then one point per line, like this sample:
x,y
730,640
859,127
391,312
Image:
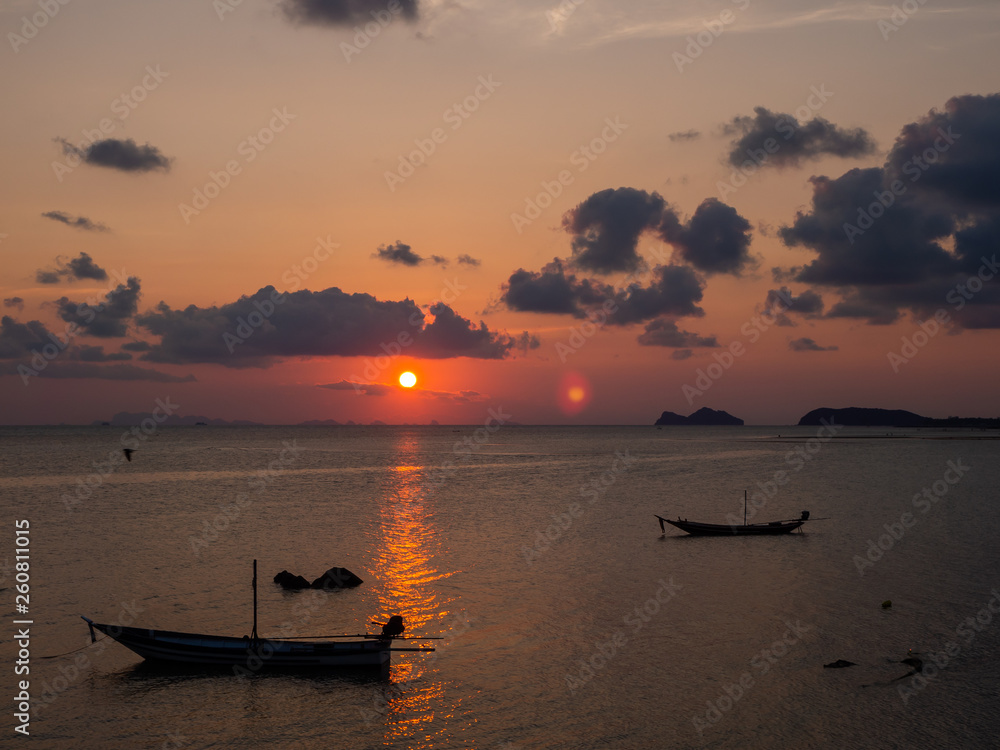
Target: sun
x,y
407,380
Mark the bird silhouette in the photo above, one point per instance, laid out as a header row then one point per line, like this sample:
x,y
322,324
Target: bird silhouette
x,y
128,453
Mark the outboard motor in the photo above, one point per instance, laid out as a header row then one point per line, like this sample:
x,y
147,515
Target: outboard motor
x,y
805,515
394,627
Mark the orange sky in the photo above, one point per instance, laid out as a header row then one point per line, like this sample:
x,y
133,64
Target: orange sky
x,y
506,94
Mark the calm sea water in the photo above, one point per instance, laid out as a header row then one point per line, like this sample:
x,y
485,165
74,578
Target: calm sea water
x,y
568,620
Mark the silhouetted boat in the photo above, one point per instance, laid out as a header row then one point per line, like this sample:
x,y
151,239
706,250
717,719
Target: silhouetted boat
x,y
720,529
254,653
735,529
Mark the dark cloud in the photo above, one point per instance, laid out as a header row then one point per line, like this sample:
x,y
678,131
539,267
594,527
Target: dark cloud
x,y
715,240
365,389
108,318
468,260
684,135
47,277
123,155
255,330
808,345
606,228
901,246
920,233
779,302
137,346
451,335
384,389
81,267
399,252
16,302
439,260
78,222
664,332
346,12
674,290
89,370
96,354
952,156
772,138
553,290
20,339
526,342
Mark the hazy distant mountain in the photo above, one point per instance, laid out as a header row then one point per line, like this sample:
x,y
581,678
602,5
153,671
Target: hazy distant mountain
x,y
704,416
128,419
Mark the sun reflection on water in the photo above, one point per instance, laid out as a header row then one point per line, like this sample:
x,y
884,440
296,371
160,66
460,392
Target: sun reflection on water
x,y
408,564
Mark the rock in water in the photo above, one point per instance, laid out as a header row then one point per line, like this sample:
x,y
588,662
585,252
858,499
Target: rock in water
x,y
840,663
337,578
288,581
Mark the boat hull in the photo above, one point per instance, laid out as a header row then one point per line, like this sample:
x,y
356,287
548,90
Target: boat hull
x,y
724,529
166,646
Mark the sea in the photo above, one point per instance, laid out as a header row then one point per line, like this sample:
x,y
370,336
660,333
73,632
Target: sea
x,y
565,617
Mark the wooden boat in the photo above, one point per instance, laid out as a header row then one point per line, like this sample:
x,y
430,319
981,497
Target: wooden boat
x,y
251,653
735,529
721,529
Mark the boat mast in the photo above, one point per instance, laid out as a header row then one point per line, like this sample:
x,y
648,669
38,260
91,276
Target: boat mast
x,y
253,633
744,523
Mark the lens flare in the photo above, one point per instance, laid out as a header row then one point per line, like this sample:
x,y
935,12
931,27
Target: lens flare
x,y
574,393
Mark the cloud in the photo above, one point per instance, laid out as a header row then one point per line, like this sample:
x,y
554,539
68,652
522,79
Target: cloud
x,y
780,140
96,354
664,332
137,346
673,290
346,12
108,318
952,155
16,302
809,304
914,233
123,155
20,339
681,354
468,260
79,222
715,240
399,252
684,135
258,329
525,342
385,389
451,335
81,267
553,290
605,228
808,345
439,260
366,389
91,371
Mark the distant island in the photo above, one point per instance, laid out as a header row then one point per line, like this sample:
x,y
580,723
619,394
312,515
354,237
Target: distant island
x,y
859,417
704,416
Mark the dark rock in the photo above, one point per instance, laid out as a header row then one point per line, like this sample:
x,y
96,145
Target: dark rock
x,y
288,581
337,578
839,664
